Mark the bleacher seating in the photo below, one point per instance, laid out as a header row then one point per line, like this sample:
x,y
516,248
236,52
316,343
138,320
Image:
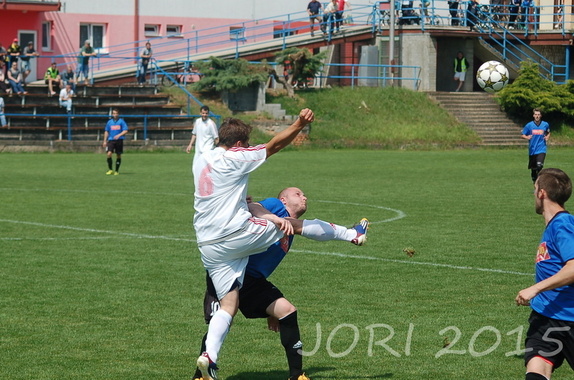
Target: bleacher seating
x,y
37,116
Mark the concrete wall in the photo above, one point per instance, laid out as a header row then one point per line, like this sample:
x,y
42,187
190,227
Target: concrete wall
x,y
420,50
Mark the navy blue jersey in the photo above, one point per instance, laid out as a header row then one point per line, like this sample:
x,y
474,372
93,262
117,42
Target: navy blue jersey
x,y
314,7
263,264
555,249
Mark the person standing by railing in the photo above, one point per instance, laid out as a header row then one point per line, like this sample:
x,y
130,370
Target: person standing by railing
x,y
471,14
329,17
145,57
341,6
527,13
313,10
514,10
27,53
86,52
453,9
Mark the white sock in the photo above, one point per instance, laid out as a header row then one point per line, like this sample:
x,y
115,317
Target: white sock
x,y
322,231
218,329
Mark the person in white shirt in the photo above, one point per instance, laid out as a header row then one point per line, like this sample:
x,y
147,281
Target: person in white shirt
x,y
66,95
204,135
2,116
227,231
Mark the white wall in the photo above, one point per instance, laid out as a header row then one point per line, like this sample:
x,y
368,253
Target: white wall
x,y
234,9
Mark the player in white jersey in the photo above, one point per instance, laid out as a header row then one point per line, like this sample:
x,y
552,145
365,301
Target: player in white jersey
x,y
227,232
204,134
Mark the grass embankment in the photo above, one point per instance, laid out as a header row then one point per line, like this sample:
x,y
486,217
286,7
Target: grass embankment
x,y
366,117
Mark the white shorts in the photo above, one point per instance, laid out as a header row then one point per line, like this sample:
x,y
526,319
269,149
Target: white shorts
x,y
460,76
226,260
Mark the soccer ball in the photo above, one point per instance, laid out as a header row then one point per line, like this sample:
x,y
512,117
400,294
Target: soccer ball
x,y
492,76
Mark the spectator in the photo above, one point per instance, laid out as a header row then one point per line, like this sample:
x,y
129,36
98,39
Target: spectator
x,y
329,17
341,6
514,10
471,14
144,62
13,52
66,97
313,10
69,77
15,79
27,53
460,67
86,52
453,9
52,77
2,116
4,58
4,85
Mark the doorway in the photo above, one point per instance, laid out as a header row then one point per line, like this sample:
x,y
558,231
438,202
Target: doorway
x,y
25,36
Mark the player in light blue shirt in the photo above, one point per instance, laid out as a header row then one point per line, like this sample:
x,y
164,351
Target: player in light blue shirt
x,y
550,337
537,132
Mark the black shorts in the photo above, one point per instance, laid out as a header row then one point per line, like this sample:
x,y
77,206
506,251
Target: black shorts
x,y
115,146
551,339
535,159
255,296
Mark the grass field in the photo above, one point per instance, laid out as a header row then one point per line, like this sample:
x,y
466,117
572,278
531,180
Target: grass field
x,y
101,278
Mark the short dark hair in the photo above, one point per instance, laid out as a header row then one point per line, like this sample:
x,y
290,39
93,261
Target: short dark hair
x,y
204,108
233,130
556,183
537,110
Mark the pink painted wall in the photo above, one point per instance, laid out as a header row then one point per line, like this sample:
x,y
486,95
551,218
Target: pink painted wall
x,y
120,36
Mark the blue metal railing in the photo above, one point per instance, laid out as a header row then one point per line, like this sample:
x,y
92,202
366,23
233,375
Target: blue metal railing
x,y
71,117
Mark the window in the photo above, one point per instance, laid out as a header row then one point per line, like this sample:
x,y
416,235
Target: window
x,y
47,35
151,30
173,30
95,33
237,33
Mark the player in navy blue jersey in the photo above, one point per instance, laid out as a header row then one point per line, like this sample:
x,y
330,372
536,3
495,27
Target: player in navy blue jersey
x,y
259,298
550,337
537,132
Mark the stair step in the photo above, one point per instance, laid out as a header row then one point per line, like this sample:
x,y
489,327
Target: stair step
x,y
481,113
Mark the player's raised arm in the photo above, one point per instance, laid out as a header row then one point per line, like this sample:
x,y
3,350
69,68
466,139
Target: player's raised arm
x,y
284,138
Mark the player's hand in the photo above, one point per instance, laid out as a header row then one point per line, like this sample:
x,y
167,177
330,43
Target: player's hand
x,y
273,324
188,149
525,295
306,116
285,226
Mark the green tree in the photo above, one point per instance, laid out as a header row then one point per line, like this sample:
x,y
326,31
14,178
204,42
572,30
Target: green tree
x,y
302,64
229,75
530,90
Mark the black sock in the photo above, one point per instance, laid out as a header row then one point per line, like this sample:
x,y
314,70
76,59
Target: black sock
x,y
535,376
290,339
118,163
110,163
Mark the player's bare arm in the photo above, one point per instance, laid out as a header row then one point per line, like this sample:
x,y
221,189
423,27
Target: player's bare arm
x,y
284,138
258,211
564,277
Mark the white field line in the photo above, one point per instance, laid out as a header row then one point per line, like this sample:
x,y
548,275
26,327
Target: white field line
x,y
334,254
137,236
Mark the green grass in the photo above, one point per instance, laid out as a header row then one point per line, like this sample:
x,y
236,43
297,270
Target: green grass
x,y
101,278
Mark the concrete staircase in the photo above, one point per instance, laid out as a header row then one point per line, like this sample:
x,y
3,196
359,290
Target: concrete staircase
x,y
480,112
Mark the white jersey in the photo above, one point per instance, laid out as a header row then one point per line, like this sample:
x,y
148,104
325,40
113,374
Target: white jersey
x,y
205,134
220,178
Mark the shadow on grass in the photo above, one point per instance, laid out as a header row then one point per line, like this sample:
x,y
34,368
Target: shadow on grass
x,y
313,372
